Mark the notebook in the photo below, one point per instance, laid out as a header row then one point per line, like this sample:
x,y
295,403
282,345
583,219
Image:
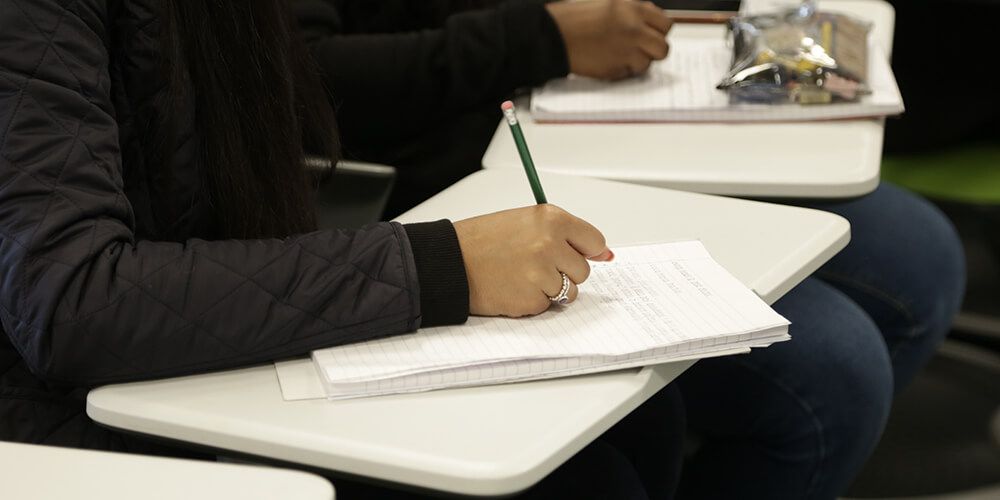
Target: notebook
x,y
653,304
681,88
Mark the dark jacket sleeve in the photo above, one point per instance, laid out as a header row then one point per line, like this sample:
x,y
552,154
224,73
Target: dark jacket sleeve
x,y
476,57
393,16
85,303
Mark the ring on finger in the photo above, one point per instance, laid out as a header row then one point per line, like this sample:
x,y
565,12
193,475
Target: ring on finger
x,y
562,297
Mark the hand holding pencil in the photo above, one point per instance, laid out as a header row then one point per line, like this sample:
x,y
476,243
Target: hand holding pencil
x,y
514,258
521,261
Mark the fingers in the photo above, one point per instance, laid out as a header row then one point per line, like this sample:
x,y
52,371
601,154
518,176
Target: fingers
x,y
586,239
554,286
573,293
605,256
576,269
648,46
541,305
638,63
655,18
652,37
653,44
575,266
513,259
568,243
634,65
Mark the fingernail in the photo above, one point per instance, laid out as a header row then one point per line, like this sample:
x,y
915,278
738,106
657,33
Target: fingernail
x,y
605,256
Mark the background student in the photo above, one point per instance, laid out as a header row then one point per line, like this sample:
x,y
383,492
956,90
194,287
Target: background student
x,y
796,420
156,220
416,85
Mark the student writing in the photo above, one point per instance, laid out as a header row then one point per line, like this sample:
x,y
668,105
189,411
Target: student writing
x,y
156,218
796,420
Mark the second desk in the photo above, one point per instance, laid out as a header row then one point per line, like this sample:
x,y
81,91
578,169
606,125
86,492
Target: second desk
x,y
831,159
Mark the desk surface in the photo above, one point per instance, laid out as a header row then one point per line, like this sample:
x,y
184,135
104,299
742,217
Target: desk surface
x,y
489,440
49,473
833,159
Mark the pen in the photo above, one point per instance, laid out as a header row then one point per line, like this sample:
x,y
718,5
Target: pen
x,y
522,150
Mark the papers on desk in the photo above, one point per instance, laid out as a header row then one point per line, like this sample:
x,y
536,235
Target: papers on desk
x,y
681,88
653,304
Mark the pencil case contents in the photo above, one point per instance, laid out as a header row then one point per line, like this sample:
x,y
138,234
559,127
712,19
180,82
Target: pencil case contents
x,y
799,55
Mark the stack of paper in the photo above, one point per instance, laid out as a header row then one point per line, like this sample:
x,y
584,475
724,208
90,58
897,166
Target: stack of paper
x,y
681,88
653,304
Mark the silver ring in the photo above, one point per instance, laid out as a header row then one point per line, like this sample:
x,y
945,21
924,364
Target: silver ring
x,y
562,297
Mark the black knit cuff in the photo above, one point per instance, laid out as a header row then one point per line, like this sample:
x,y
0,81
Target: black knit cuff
x,y
444,286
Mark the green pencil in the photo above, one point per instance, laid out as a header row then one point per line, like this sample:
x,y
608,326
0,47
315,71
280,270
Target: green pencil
x,y
522,149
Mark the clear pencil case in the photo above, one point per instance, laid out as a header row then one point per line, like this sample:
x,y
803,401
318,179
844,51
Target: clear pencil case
x,y
799,55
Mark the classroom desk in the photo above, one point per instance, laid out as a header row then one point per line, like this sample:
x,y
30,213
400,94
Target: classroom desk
x,y
32,472
489,440
833,159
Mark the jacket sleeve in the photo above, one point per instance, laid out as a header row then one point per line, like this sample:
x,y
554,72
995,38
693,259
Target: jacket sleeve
x,y
476,57
85,303
391,16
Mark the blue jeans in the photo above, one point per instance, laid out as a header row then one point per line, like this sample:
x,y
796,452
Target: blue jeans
x,y
798,420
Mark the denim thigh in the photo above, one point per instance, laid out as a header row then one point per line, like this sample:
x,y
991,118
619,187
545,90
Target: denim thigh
x,y
797,419
905,267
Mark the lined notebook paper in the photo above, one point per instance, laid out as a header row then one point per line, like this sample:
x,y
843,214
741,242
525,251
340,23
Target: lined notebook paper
x,y
653,304
682,88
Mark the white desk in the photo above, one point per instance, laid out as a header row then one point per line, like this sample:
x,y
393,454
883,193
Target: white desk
x,y
810,160
32,472
490,440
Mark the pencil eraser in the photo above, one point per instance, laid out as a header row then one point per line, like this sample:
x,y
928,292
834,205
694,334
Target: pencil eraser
x,y
507,105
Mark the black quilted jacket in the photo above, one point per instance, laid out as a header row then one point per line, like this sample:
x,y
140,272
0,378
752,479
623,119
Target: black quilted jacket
x,y
96,287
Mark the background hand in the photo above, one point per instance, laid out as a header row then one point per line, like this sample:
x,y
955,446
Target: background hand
x,y
611,39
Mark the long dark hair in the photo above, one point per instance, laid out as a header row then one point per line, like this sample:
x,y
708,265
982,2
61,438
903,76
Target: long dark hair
x,y
259,105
